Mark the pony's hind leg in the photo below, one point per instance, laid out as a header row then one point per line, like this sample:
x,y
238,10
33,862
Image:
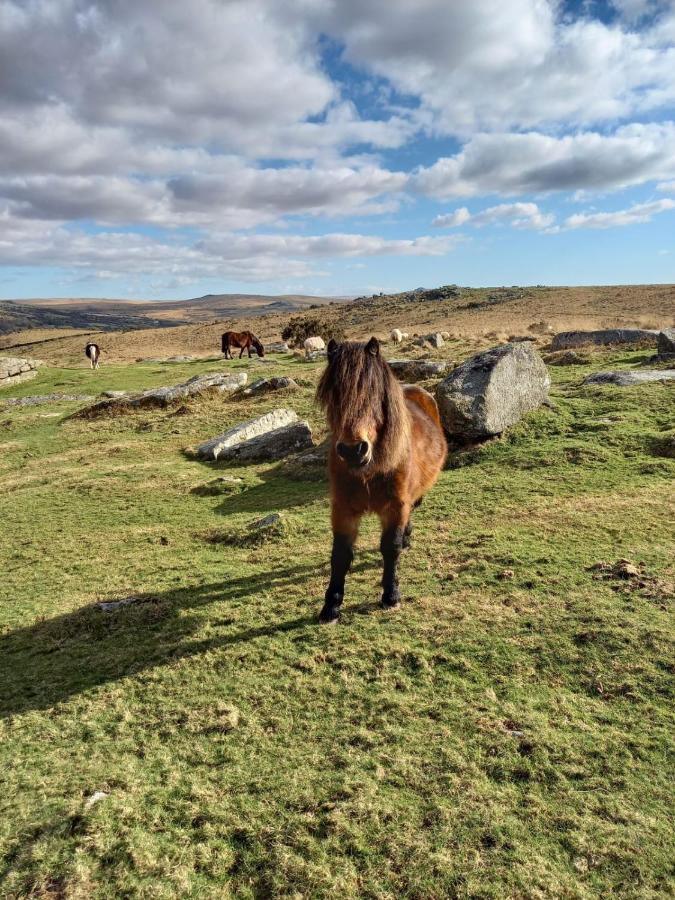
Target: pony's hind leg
x,y
406,539
345,529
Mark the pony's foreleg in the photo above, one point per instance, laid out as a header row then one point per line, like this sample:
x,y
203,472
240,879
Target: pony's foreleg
x,y
241,352
345,529
394,526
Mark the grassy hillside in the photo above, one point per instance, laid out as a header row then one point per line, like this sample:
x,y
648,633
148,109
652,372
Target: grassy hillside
x,y
506,733
478,314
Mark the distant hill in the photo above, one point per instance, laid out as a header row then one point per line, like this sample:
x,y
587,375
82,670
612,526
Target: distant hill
x,y
21,316
122,315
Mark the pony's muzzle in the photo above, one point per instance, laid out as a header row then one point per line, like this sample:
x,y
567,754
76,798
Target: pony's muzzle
x,y
353,454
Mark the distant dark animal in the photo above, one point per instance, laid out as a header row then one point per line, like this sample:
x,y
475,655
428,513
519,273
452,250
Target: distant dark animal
x,y
387,449
243,339
93,354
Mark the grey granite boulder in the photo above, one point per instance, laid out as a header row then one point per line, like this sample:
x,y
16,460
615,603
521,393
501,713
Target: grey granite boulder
x,y
605,337
666,344
418,369
629,378
222,446
493,390
276,444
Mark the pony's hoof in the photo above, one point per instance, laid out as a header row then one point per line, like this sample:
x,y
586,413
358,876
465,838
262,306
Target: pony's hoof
x,y
391,604
329,616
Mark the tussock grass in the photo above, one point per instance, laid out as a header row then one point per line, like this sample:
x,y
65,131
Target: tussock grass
x,y
506,733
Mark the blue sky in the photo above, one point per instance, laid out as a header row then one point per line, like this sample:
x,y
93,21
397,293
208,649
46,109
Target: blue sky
x,y
166,150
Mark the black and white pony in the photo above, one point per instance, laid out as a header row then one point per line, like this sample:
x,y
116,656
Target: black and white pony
x,y
93,354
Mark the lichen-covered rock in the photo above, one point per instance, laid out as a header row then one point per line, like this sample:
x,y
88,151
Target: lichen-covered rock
x,y
15,369
314,355
418,369
566,340
493,390
629,378
164,396
281,347
222,446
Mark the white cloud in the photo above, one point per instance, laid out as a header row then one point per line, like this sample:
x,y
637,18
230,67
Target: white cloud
x,y
536,163
518,215
640,213
495,65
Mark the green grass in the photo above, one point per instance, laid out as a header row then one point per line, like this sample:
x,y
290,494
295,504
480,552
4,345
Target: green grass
x,y
507,733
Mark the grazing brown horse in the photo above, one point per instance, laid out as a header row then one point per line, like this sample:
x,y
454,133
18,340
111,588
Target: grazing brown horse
x,y
243,339
93,353
387,448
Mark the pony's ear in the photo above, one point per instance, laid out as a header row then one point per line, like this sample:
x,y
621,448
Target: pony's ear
x,y
373,347
332,347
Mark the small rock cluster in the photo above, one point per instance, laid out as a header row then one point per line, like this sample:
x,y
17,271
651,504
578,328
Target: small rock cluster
x,y
15,369
265,385
39,399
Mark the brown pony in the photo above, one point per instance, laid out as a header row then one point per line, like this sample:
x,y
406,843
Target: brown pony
x,y
243,339
387,449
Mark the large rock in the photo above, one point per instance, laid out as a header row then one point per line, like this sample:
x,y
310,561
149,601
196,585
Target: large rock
x,y
628,378
165,396
222,446
605,337
275,444
418,369
493,390
15,369
314,343
666,344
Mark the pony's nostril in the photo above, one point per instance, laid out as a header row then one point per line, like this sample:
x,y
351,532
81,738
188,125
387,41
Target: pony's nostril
x,y
342,449
361,449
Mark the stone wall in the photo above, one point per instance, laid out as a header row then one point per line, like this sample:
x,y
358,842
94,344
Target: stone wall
x,y
14,370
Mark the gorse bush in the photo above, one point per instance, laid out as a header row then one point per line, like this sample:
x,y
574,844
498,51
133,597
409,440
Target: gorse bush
x,y
299,328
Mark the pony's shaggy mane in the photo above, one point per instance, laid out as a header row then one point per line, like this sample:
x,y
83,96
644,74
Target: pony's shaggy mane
x,y
358,385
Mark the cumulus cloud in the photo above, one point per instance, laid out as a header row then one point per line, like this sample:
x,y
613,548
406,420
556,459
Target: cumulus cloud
x,y
208,119
534,162
637,214
253,257
518,215
487,64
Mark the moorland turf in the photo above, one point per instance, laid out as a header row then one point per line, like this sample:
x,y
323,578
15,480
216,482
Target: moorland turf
x,y
507,733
